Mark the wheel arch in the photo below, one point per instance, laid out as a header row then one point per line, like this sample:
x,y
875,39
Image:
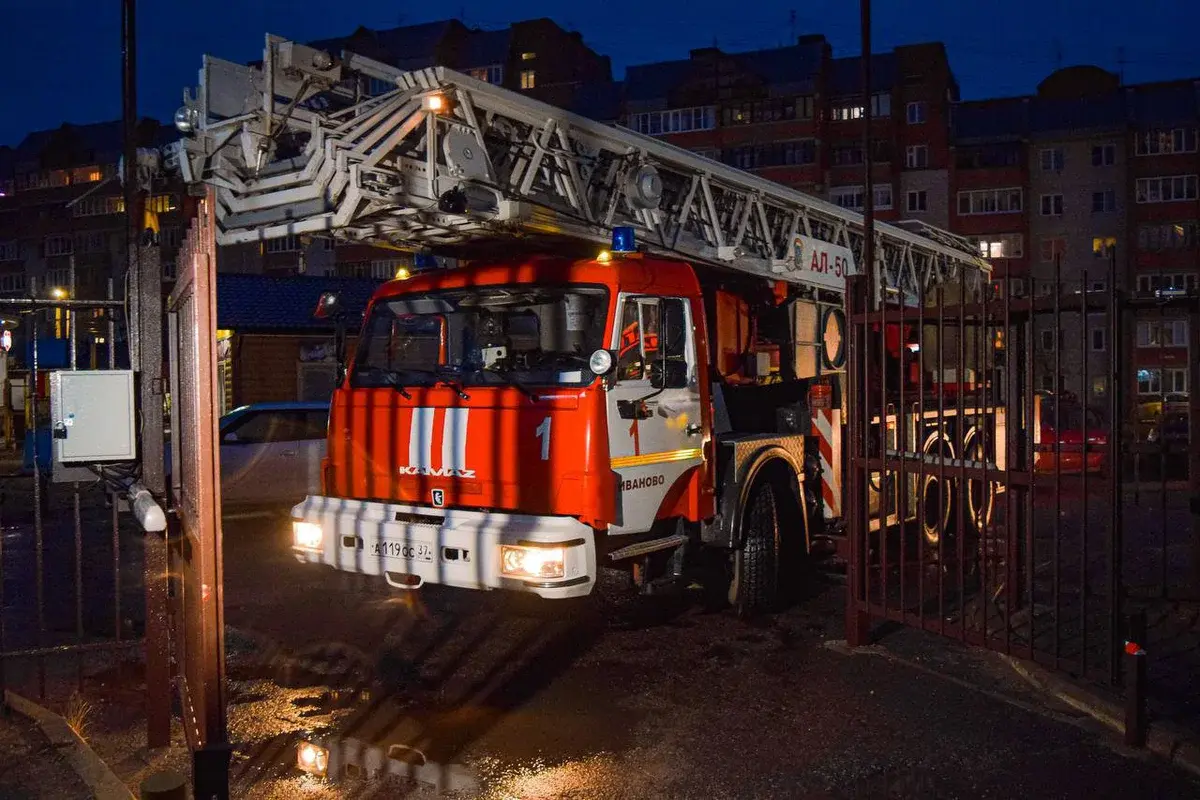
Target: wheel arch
x,y
786,475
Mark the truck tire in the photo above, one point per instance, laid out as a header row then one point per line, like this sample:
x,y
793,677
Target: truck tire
x,y
754,588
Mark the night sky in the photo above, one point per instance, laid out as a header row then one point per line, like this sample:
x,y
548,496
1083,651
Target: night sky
x,y
61,58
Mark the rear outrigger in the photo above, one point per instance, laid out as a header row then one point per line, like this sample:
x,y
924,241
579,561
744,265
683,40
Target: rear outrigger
x,y
528,419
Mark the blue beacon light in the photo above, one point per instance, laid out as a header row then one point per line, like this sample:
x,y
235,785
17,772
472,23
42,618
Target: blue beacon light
x,y
622,240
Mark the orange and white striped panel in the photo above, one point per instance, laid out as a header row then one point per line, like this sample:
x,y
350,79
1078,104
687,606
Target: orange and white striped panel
x,y
828,424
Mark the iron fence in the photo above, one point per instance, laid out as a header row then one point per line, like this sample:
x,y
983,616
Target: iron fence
x,y
71,570
999,480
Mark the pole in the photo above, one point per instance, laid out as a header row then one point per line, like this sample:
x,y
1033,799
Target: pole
x,y
868,254
146,357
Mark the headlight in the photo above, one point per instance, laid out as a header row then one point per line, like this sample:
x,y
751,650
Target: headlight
x,y
532,562
306,535
312,758
600,362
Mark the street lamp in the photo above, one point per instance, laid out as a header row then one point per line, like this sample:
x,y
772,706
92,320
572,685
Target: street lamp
x,y
58,293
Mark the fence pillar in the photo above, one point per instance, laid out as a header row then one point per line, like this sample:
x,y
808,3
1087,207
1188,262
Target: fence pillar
x,y
1135,681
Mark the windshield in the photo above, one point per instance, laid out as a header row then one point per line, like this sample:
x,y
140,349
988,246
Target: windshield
x,y
527,335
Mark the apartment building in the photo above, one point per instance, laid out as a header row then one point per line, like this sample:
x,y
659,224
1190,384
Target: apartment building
x,y
61,199
795,114
1164,213
1077,168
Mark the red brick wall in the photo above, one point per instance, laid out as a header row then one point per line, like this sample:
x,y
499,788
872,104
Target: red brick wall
x,y
265,367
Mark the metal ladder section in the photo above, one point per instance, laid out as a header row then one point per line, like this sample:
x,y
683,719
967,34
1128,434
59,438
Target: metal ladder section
x,y
293,146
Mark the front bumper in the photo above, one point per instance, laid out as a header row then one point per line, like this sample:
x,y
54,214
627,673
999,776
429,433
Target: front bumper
x,y
412,545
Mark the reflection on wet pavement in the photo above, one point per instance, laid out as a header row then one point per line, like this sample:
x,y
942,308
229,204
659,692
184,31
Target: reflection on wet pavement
x,y
491,696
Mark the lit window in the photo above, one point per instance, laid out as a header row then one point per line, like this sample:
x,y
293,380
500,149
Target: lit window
x,y
528,56
1005,245
528,79
1103,246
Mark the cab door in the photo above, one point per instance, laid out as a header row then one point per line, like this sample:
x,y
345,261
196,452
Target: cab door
x,y
654,426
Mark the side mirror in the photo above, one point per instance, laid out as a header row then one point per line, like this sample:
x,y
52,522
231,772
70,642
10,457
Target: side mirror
x,y
329,306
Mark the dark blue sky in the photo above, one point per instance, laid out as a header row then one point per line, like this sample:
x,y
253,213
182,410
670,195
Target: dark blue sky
x,y
61,58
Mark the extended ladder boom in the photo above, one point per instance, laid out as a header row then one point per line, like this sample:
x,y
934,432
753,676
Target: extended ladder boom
x,y
293,147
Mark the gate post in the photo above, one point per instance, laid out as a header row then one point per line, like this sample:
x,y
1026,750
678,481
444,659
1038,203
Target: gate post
x,y
854,504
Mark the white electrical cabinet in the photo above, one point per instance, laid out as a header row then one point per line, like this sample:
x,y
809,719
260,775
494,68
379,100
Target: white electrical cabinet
x,y
92,416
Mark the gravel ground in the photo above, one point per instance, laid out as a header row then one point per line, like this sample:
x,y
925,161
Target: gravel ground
x,y
30,767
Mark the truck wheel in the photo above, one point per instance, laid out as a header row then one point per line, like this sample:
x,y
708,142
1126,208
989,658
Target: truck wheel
x,y
754,588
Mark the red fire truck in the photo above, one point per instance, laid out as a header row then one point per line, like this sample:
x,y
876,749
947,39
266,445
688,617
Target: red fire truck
x,y
641,356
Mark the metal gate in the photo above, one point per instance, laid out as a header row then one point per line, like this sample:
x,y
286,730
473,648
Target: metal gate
x,y
64,628
990,463
195,552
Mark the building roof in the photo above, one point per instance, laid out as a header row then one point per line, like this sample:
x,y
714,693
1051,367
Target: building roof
x,y
794,64
485,48
845,74
1071,115
415,46
98,137
406,47
990,120
1164,104
655,81
598,101
267,302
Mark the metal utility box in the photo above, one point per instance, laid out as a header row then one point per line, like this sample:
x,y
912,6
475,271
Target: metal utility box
x,y
92,416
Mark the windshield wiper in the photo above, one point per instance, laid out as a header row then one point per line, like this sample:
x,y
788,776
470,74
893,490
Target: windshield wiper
x,y
506,376
387,377
455,385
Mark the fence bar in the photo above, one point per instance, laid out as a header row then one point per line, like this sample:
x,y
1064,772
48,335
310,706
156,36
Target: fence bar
x,y
73,350
1116,416
1084,356
960,373
36,303
859,416
1194,442
1057,422
31,397
111,341
941,485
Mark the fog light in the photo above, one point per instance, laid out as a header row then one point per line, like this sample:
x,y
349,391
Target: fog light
x,y
312,758
306,535
532,562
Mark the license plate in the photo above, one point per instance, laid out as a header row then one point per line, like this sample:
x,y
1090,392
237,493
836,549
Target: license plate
x,y
409,551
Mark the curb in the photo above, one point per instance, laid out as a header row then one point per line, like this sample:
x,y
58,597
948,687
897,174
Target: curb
x,y
97,775
1167,741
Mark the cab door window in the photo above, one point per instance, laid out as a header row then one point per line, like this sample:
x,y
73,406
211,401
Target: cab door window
x,y
654,342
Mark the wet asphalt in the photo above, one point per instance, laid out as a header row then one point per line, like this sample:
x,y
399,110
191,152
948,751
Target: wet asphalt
x,y
502,697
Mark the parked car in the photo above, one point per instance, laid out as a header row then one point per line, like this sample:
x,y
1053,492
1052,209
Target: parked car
x,y
271,453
